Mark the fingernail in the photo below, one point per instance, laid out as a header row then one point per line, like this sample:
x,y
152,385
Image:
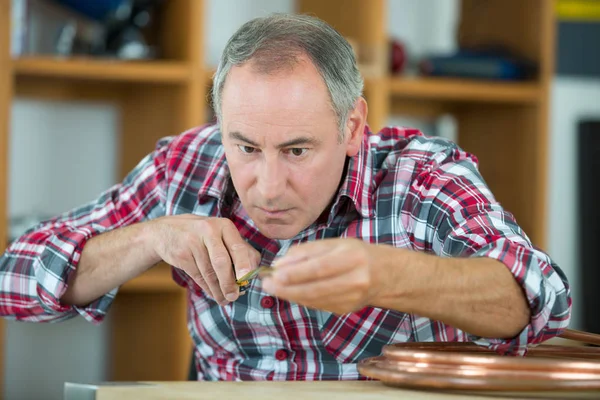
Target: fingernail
x,y
231,297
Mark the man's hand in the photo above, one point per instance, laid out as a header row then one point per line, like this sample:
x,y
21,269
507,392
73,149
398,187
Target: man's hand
x,y
207,249
336,275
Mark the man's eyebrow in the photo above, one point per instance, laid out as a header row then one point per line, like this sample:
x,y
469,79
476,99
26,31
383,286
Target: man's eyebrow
x,y
299,141
238,136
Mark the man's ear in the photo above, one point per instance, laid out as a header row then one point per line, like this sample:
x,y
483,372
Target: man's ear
x,y
355,127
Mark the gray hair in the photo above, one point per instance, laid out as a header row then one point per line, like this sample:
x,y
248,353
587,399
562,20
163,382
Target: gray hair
x,y
276,42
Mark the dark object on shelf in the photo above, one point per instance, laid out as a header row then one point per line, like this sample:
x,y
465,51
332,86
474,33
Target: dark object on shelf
x,y
589,221
130,26
484,64
98,10
43,27
397,56
577,49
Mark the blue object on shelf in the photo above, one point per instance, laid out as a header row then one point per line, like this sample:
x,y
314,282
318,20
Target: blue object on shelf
x,y
94,9
478,64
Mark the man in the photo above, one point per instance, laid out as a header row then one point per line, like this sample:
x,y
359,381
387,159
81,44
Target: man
x,y
375,238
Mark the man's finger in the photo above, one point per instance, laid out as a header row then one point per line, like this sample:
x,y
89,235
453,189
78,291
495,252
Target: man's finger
x,y
193,271
218,271
245,258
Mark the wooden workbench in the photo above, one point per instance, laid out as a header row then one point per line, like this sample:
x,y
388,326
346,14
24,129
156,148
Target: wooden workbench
x,y
329,390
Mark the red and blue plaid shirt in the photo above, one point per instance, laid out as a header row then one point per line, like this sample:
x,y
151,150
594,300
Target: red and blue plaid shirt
x,y
401,189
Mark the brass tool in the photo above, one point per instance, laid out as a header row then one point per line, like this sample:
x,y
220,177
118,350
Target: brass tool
x,y
244,281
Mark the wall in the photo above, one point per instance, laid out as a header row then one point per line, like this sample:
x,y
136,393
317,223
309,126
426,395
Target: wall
x,y
55,151
61,155
424,27
224,17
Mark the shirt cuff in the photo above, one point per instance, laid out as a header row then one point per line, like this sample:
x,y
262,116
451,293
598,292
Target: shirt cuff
x,y
57,263
546,294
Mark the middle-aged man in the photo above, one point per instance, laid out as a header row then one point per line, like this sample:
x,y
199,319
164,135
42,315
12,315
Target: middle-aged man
x,y
375,238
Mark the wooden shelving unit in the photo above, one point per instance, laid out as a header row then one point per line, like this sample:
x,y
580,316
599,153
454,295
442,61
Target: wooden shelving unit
x,y
504,124
103,70
6,92
443,89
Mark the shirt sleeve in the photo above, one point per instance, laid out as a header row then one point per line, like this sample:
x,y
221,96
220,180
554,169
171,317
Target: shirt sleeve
x,y
35,268
455,215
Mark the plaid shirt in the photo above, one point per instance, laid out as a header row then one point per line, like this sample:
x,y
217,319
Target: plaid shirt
x,y
402,189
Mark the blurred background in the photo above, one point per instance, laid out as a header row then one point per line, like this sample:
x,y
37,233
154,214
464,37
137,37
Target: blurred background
x,y
87,87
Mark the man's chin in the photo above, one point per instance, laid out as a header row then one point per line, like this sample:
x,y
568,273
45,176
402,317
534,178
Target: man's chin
x,y
278,231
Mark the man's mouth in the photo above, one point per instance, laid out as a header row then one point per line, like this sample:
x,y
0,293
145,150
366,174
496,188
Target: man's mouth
x,y
274,212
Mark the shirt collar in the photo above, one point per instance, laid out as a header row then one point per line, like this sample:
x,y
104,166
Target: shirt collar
x,y
356,185
217,181
357,182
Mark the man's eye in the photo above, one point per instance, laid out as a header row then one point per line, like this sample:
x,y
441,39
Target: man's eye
x,y
246,149
298,151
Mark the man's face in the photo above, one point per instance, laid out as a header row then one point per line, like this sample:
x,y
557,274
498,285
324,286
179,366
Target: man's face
x,y
282,146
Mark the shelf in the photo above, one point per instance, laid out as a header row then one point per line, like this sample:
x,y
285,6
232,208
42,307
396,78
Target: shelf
x,y
158,279
102,69
464,90
451,89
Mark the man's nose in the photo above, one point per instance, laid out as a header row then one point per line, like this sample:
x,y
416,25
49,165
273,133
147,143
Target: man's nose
x,y
271,179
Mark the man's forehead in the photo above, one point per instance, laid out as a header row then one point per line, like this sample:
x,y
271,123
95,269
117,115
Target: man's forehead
x,y
276,108
303,77
276,102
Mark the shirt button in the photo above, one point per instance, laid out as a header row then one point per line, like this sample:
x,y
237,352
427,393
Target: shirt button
x,y
281,355
267,302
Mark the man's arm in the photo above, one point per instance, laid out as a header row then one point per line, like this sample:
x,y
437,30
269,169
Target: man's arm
x,y
505,294
108,261
476,295
36,268
451,212
205,249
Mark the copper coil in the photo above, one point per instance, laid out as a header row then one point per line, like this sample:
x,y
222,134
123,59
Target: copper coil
x,y
467,366
473,377
541,351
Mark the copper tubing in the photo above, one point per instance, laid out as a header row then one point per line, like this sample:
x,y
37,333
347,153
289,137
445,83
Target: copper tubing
x,y
467,366
473,377
580,336
548,351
